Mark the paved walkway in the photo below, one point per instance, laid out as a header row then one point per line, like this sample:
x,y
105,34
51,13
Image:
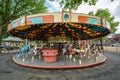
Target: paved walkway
x,y
110,70
112,49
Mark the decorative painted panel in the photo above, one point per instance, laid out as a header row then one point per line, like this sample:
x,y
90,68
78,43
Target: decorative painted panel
x,y
48,18
36,20
14,24
29,22
93,21
22,20
83,19
74,17
57,17
71,29
66,17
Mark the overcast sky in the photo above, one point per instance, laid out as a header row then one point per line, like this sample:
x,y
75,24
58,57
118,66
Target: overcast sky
x,y
114,8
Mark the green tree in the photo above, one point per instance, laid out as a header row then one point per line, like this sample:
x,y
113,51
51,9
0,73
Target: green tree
x,y
73,4
12,9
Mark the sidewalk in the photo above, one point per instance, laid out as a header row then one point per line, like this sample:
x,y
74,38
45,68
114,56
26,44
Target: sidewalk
x,y
9,51
112,49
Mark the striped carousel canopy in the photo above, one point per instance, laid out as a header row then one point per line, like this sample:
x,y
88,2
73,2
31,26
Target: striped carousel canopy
x,y
73,25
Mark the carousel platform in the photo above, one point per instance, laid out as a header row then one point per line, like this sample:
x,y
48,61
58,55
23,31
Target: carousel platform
x,y
63,61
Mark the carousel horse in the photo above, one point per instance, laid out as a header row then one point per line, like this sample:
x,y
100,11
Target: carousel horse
x,y
65,50
37,50
73,51
20,53
23,50
81,50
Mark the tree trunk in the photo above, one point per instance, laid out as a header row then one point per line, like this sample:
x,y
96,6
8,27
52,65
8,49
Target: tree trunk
x,y
0,36
101,43
1,30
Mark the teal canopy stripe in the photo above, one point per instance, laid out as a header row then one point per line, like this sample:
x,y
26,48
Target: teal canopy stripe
x,y
37,20
93,21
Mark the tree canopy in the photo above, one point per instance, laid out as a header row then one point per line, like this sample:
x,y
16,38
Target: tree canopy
x,y
12,9
73,4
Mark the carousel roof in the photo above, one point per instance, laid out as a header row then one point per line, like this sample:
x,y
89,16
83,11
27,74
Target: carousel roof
x,y
43,26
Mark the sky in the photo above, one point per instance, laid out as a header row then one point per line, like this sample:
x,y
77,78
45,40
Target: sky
x,y
114,8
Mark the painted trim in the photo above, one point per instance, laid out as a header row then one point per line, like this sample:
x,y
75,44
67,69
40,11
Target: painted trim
x,y
58,18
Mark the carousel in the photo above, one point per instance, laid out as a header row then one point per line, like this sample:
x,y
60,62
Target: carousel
x,y
61,40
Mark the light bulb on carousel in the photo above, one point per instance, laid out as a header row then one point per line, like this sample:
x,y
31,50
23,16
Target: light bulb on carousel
x,y
32,58
39,56
23,60
74,59
80,62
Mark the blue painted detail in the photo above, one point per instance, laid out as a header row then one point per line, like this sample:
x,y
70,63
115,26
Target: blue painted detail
x,y
22,21
14,24
93,21
66,17
36,20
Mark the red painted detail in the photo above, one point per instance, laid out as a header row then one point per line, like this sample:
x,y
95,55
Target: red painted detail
x,y
83,19
48,19
28,22
50,55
